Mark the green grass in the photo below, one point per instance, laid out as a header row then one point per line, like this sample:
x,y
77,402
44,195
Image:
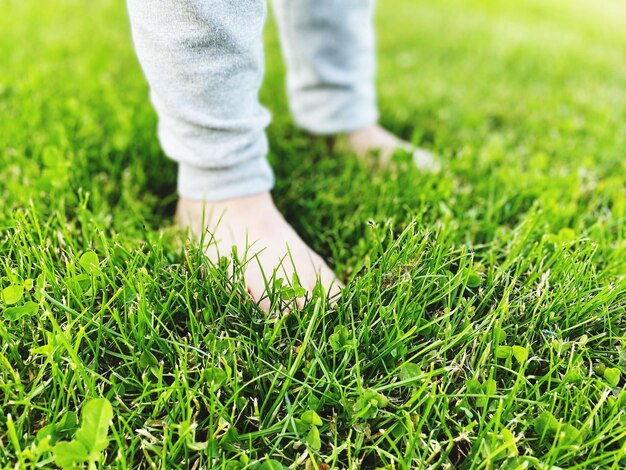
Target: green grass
x,y
518,249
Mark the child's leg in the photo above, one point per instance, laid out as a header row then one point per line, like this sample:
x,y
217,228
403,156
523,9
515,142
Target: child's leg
x,y
204,63
329,47
330,53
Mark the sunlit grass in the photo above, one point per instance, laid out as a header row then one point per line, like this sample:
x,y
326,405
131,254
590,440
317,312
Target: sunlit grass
x,y
482,324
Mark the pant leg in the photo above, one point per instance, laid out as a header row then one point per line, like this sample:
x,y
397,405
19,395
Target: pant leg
x,y
329,47
203,60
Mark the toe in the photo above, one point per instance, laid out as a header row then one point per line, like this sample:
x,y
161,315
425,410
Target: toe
x,y
255,285
426,161
265,305
326,276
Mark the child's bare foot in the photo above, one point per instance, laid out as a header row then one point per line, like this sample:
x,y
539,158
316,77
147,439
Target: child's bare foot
x,y
374,139
256,223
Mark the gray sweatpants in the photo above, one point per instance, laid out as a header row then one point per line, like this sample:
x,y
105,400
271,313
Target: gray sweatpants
x,y
204,63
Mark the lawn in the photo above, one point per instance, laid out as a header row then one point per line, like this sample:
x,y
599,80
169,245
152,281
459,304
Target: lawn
x,y
483,320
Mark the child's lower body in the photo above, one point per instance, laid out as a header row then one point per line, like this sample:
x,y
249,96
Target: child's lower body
x,y
204,63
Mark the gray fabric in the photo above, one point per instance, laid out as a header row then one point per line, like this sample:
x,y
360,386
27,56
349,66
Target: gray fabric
x,y
203,60
329,49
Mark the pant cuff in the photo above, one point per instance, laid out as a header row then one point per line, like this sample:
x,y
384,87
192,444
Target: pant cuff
x,y
325,113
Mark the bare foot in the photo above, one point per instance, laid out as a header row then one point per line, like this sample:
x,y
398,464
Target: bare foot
x,y
374,139
253,223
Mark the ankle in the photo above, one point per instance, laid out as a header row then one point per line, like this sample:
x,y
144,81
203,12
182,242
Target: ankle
x,y
251,201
